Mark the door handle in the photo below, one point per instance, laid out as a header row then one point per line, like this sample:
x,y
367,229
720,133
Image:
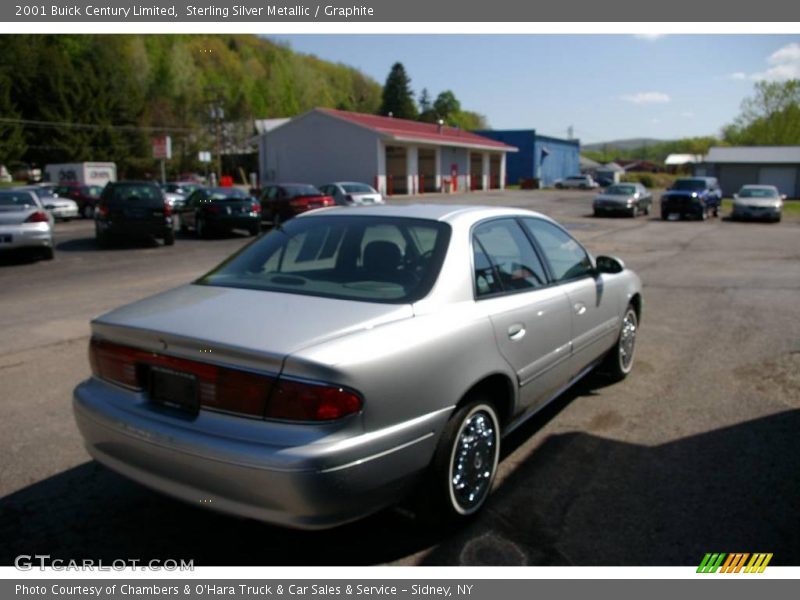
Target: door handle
x,y
516,332
580,308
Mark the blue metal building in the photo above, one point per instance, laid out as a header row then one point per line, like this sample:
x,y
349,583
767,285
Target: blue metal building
x,y
542,157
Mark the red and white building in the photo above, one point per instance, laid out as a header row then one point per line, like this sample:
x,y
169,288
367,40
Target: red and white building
x,y
397,156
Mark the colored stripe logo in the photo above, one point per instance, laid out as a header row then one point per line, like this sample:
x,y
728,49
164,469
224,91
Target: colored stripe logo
x,y
735,562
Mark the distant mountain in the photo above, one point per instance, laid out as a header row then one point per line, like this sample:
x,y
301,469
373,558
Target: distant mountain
x,y
629,144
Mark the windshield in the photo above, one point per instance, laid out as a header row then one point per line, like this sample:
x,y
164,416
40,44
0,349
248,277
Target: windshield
x,y
293,191
357,188
371,259
621,190
758,193
17,199
689,184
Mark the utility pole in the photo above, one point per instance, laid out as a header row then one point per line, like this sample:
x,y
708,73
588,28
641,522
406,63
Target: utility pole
x,y
216,114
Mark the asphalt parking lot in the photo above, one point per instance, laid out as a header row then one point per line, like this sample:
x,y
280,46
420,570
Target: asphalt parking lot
x,y
695,452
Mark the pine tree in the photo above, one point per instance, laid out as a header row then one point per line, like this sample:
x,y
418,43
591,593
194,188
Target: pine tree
x,y
398,99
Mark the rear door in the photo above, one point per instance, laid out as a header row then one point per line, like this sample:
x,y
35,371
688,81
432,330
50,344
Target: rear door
x,y
530,317
594,304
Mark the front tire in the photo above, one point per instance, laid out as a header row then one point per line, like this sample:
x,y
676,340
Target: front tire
x,y
87,211
200,227
619,361
464,464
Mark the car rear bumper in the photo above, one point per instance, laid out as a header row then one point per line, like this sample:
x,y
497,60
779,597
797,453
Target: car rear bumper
x,y
27,235
216,461
234,222
756,212
64,212
135,228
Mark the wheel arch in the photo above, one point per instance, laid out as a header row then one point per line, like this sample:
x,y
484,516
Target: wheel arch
x,y
499,389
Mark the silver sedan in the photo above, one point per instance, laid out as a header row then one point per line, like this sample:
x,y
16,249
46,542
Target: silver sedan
x,y
351,357
758,202
351,193
630,199
24,223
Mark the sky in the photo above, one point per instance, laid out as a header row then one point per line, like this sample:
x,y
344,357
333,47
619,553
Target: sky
x,y
606,87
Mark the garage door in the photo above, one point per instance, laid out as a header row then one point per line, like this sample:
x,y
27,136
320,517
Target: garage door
x,y
784,178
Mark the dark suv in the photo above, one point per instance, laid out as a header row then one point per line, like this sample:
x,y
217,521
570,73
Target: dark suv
x,y
692,197
133,209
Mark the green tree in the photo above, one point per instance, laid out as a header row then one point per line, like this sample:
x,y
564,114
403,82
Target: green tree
x,y
770,117
12,135
398,99
447,106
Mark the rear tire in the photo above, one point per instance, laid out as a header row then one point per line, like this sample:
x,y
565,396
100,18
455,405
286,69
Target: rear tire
x,y
87,211
618,363
169,238
255,230
48,253
101,238
464,464
200,227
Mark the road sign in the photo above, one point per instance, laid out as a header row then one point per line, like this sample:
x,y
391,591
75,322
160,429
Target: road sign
x,y
162,147
204,156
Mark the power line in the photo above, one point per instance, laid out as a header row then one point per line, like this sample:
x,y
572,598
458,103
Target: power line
x,y
61,124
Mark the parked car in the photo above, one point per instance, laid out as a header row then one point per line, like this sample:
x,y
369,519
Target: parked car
x,y
85,196
349,358
350,193
62,209
582,182
692,197
282,201
220,209
627,198
133,209
24,222
758,202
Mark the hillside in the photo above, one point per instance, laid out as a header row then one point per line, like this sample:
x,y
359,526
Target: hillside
x,y
153,84
629,144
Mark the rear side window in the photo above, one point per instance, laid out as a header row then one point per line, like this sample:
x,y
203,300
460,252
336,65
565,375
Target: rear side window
x,y
567,258
508,250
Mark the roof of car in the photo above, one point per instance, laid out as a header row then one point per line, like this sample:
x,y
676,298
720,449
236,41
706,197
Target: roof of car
x,y
759,187
434,212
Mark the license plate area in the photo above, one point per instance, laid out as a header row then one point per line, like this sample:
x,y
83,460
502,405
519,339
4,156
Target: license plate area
x,y
174,389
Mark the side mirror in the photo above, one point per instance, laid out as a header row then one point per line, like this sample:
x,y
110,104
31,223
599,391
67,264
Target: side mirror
x,y
736,196
609,264
783,196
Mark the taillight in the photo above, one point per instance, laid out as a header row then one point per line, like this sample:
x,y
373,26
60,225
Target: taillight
x,y
38,217
300,401
328,201
298,203
256,207
167,209
114,363
222,388
102,210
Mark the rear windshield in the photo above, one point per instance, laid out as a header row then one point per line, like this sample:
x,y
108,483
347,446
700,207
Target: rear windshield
x,y
689,184
293,191
357,188
17,199
758,193
226,194
371,259
144,193
44,192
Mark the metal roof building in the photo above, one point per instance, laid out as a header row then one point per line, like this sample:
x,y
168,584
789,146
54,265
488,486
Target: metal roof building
x,y
541,157
736,166
397,156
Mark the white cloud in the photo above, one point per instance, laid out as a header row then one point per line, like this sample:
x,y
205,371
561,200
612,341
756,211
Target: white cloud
x,y
650,37
687,114
785,64
647,98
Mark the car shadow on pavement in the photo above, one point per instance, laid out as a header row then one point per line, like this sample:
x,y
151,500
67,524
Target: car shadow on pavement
x,y
577,499
580,499
19,256
89,244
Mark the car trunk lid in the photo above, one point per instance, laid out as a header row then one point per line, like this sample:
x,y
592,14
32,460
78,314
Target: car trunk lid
x,y
245,328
